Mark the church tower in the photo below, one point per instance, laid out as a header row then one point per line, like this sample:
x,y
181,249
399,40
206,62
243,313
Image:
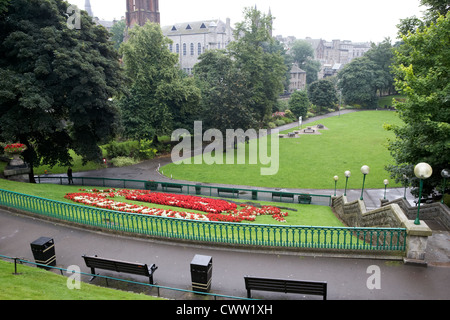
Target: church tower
x,y
88,8
141,11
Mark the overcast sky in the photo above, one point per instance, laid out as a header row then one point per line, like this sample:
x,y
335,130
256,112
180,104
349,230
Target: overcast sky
x,y
355,20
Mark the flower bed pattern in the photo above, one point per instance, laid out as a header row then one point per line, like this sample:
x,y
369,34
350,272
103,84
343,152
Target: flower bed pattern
x,y
216,210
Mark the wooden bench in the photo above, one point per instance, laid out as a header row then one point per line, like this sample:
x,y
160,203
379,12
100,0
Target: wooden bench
x,y
167,185
281,195
228,190
318,288
119,266
304,199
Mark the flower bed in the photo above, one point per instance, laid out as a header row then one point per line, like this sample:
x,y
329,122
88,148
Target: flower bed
x,y
216,210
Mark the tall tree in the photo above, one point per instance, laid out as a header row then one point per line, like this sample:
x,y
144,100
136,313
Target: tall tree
x,y
56,83
264,70
225,95
422,73
159,97
322,93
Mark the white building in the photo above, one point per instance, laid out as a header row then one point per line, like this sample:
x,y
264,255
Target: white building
x,y
191,39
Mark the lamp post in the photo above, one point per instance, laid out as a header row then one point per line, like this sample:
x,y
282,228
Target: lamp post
x,y
347,175
365,171
386,182
336,178
405,178
445,174
422,171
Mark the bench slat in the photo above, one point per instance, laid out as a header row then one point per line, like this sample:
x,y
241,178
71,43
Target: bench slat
x,y
120,266
286,286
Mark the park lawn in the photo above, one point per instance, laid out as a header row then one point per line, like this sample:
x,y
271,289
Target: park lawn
x,y
311,161
37,284
304,215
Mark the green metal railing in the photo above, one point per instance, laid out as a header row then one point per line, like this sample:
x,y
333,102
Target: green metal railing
x,y
373,239
197,189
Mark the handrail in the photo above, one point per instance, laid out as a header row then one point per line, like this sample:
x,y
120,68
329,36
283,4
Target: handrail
x,y
198,189
215,295
341,238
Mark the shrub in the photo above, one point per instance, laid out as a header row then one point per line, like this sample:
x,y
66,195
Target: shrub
x,y
123,161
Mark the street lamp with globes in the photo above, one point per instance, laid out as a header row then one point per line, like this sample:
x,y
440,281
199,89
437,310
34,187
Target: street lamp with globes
x,y
386,182
365,171
422,171
336,178
347,175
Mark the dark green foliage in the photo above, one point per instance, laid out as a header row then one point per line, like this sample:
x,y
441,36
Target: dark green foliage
x,y
55,83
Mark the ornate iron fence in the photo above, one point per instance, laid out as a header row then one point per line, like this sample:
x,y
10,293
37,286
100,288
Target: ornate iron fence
x,y
340,238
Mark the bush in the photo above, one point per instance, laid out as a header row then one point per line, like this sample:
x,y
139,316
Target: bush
x,y
280,123
122,149
123,161
272,125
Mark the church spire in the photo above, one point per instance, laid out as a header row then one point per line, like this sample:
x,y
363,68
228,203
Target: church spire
x,y
88,8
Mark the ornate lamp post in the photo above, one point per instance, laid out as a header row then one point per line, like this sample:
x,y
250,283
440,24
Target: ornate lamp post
x,y
347,175
336,178
365,171
386,182
445,174
422,171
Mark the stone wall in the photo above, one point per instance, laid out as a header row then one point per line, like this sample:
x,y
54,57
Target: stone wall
x,y
391,215
433,211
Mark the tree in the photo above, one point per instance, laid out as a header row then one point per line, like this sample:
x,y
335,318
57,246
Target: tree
x,y
422,73
322,93
303,54
299,103
56,83
265,71
357,81
158,97
118,33
225,95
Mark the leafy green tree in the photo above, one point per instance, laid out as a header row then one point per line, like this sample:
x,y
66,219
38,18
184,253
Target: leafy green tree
x,y
299,103
225,95
303,54
4,5
158,97
265,71
56,83
118,33
323,94
357,81
422,73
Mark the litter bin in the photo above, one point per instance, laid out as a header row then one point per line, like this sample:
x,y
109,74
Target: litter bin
x,y
44,252
201,273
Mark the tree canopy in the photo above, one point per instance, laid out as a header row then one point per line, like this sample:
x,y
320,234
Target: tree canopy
x,y
422,73
158,97
56,82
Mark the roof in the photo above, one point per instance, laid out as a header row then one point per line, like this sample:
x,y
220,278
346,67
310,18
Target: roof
x,y
194,27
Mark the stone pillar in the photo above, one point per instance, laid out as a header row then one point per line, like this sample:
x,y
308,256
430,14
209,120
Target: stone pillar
x,y
416,241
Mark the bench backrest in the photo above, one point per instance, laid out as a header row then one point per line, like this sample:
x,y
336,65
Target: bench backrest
x,y
116,265
287,286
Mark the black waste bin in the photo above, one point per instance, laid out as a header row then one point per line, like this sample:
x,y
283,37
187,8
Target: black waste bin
x,y
201,273
44,252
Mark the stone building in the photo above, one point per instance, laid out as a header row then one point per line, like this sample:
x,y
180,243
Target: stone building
x,y
191,39
298,79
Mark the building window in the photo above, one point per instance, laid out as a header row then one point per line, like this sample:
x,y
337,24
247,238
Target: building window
x,y
171,47
184,49
192,49
178,48
199,48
